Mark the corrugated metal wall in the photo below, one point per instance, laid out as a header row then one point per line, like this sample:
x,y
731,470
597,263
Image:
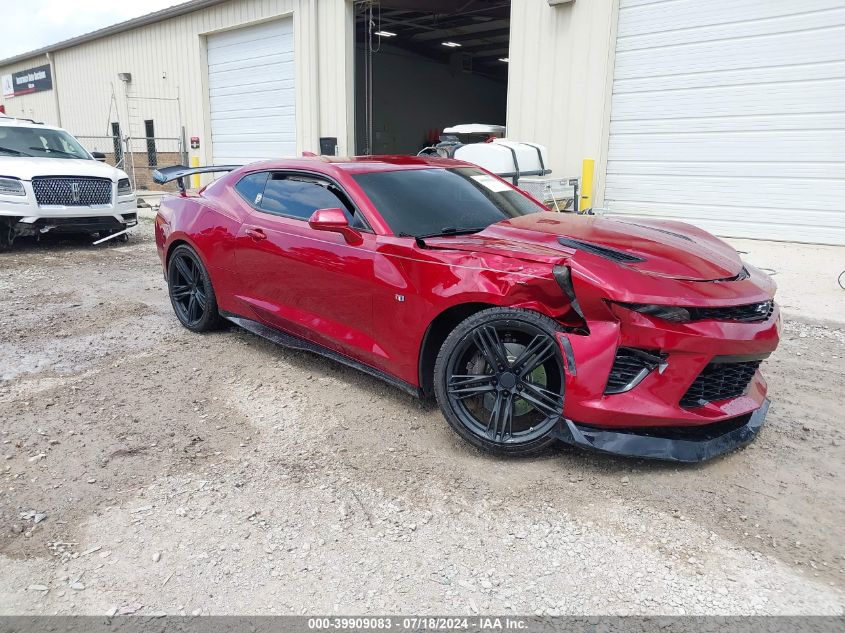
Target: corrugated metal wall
x,y
729,115
558,80
167,61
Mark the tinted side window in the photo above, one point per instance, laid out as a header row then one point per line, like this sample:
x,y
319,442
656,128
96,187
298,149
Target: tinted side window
x,y
298,197
251,187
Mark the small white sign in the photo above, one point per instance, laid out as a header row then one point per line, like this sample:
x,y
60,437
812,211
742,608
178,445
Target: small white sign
x,y
493,184
8,86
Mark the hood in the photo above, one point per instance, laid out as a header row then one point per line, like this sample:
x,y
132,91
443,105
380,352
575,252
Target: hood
x,y
26,168
666,249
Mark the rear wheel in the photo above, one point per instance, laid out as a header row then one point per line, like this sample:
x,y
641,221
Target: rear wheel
x,y
499,381
191,292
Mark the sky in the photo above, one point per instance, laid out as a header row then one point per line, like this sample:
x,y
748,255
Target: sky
x,y
38,23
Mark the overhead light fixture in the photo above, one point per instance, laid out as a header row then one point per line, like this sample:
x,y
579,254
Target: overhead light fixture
x,y
504,59
451,44
384,34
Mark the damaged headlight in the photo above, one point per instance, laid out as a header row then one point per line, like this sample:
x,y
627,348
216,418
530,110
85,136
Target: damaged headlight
x,y
674,314
11,187
124,187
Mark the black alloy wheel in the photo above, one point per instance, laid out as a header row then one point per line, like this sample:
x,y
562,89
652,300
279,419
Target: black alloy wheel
x,y
191,293
500,382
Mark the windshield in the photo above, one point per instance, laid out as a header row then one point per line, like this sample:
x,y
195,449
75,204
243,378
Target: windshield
x,y
40,142
420,202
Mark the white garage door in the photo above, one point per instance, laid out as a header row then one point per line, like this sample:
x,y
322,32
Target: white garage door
x,y
251,93
730,114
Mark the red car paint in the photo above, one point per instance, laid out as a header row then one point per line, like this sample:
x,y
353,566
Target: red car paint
x,y
374,300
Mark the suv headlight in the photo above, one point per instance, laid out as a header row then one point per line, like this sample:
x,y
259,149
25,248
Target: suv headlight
x,y
11,187
124,187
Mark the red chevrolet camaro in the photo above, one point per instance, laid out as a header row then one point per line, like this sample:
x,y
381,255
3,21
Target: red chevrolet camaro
x,y
628,336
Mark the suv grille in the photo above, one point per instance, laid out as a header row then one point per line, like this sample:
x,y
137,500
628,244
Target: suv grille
x,y
748,313
720,381
72,192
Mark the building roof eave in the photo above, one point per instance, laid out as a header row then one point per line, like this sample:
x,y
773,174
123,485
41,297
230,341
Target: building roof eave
x,y
120,27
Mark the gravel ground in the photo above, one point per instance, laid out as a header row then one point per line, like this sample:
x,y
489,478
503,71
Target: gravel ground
x,y
150,470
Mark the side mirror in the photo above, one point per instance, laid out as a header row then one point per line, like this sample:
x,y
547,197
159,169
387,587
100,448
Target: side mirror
x,y
99,156
334,220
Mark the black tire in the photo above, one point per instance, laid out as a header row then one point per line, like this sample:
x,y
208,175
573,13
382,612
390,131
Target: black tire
x,y
7,233
502,365
191,293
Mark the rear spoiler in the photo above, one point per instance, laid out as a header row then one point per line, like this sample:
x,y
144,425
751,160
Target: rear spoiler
x,y
179,172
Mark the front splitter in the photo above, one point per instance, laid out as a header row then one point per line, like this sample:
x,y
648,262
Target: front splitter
x,y
675,444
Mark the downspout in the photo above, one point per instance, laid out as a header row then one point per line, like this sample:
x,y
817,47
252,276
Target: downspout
x,y
55,88
314,64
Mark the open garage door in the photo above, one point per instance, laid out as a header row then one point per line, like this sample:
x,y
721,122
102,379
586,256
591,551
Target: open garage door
x,y
251,93
731,115
423,65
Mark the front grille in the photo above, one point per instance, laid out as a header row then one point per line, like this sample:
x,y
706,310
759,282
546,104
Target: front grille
x,y
720,381
749,313
71,191
629,369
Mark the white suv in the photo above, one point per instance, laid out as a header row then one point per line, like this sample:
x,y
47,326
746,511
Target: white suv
x,y
49,182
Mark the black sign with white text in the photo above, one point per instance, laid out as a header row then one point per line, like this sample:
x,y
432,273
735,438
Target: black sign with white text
x,y
28,81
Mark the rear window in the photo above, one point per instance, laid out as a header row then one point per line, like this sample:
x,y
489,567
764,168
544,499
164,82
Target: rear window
x,y
426,201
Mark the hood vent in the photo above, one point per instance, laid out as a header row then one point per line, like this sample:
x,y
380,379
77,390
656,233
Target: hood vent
x,y
620,257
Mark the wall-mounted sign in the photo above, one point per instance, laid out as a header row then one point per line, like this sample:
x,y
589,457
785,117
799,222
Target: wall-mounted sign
x,y
195,142
27,81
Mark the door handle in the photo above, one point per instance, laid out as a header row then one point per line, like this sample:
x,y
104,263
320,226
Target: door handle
x,y
256,234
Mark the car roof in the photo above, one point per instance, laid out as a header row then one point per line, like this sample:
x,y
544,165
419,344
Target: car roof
x,y
14,122
357,164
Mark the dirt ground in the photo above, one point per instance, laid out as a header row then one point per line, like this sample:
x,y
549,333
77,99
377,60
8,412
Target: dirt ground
x,y
146,469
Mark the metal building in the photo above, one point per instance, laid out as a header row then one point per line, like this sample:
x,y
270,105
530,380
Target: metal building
x,y
729,114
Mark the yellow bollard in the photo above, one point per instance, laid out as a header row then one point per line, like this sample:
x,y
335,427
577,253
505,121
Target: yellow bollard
x,y
195,178
587,169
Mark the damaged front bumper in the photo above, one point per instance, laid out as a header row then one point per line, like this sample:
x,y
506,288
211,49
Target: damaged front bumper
x,y
675,444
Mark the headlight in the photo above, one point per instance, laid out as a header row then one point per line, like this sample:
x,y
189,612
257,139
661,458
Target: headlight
x,y
124,187
11,187
667,313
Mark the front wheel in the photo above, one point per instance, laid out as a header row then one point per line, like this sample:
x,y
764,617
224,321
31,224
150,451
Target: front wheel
x,y
499,381
191,292
7,233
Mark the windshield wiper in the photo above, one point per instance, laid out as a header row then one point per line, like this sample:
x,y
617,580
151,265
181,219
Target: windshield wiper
x,y
450,230
16,152
47,150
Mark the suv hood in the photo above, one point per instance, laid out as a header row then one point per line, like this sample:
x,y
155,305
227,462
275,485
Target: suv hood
x,y
661,248
26,168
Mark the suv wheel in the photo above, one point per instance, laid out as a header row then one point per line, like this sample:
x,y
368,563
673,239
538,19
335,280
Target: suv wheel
x,y
7,233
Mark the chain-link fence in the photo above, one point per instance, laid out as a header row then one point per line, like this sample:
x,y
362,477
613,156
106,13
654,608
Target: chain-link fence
x,y
138,157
